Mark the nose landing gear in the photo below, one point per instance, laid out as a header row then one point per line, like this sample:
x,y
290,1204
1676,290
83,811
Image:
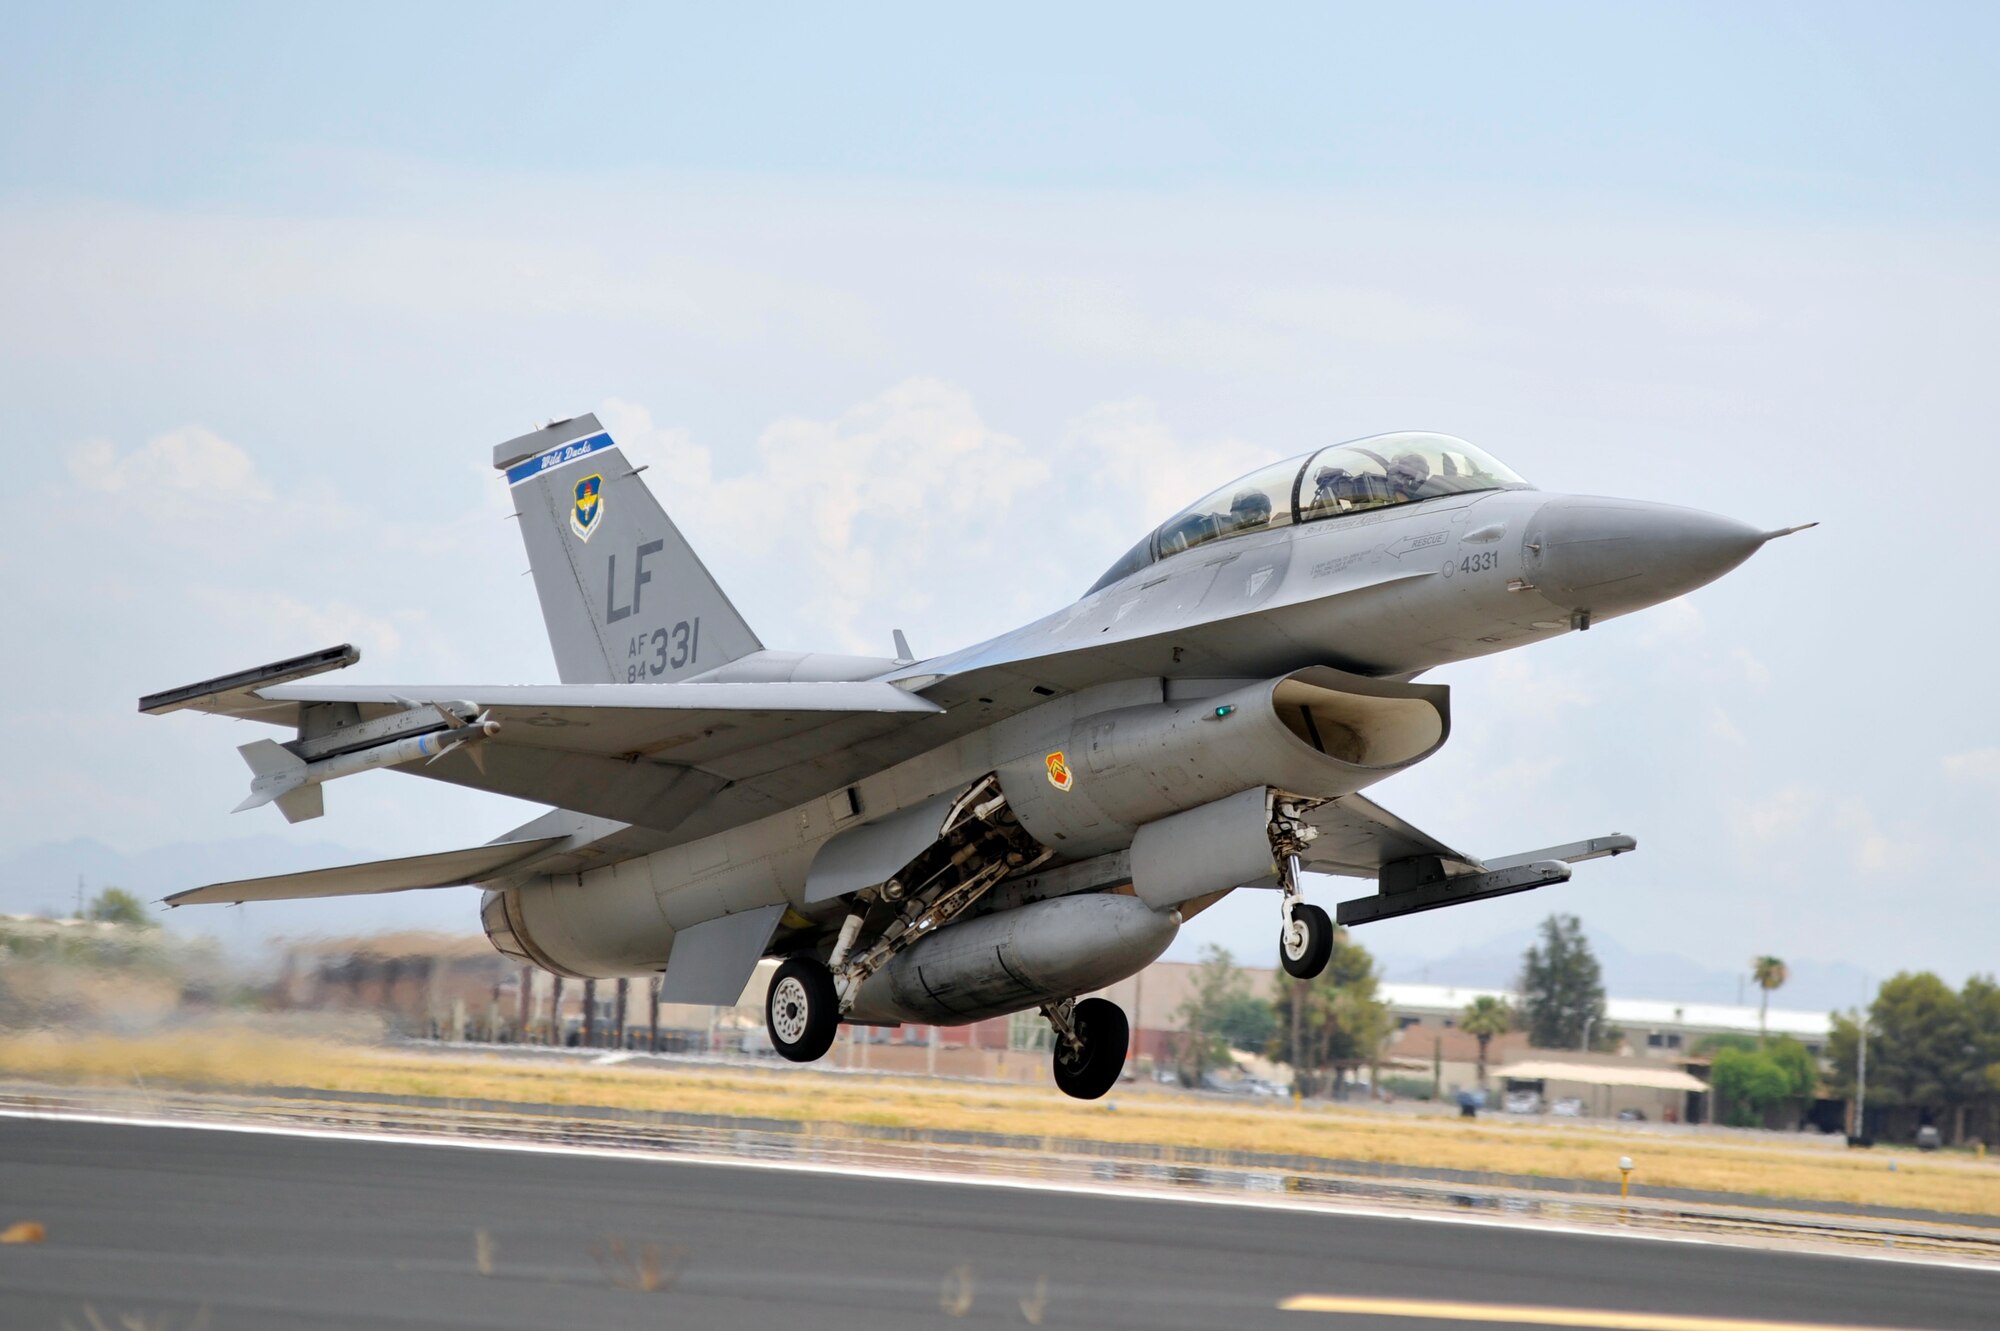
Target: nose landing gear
x,y
1305,941
1091,1037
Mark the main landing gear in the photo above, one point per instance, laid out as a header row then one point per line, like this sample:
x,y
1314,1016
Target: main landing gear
x,y
802,1010
1091,1037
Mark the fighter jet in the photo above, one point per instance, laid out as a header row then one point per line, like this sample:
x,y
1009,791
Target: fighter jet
x,y
1007,827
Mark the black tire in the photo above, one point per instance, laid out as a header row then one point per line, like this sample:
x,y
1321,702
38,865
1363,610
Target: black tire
x,y
802,1011
1090,1074
1305,944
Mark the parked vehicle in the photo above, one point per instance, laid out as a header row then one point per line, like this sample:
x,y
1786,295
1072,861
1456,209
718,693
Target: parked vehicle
x,y
1521,1102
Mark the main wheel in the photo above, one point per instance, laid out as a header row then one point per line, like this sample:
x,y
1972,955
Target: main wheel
x,y
802,1011
1306,942
1090,1072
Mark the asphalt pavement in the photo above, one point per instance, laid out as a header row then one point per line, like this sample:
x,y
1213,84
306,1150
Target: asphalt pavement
x,y
168,1228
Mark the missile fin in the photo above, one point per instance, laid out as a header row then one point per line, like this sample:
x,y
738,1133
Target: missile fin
x,y
267,757
302,803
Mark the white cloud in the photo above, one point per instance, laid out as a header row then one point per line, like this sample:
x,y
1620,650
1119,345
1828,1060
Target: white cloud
x,y
1977,765
1675,621
875,506
1778,816
1723,729
190,460
288,618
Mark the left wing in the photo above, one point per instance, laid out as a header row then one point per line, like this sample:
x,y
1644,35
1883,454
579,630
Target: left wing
x,y
645,754
451,868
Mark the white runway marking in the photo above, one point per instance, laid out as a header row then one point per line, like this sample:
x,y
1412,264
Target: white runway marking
x,y
1098,1191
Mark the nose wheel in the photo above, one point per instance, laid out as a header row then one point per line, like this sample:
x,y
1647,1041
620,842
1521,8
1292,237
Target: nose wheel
x,y
802,1010
1305,944
1090,1045
1305,939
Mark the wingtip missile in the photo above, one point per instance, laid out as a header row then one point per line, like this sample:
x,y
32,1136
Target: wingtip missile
x,y
281,776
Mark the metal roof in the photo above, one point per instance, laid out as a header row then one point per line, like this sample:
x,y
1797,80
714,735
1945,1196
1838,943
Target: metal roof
x,y
1651,1076
1631,1013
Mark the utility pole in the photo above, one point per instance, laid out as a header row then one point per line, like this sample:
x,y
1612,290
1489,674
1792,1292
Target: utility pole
x,y
619,1038
555,1010
653,1003
590,1014
1861,1083
527,1005
1588,1022
79,896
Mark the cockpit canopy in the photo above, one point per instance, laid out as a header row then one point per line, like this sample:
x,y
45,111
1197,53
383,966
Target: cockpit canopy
x,y
1377,472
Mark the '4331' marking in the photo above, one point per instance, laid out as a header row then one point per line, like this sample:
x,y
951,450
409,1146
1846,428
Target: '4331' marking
x,y
1480,562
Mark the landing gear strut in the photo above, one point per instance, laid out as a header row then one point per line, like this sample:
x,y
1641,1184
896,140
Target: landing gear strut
x,y
1090,1045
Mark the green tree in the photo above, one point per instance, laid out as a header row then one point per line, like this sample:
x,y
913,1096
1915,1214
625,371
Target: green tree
x,y
1929,1052
1801,1069
1485,1017
1770,974
1203,1045
1707,1045
1330,1024
1247,1023
1749,1084
114,905
1562,989
1979,1004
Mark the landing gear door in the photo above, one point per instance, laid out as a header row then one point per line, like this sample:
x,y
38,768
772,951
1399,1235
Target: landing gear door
x,y
864,856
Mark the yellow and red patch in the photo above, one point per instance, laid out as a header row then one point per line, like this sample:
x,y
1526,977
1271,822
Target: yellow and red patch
x,y
1059,773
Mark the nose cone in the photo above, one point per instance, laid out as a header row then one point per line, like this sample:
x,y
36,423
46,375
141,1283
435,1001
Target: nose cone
x,y
1611,556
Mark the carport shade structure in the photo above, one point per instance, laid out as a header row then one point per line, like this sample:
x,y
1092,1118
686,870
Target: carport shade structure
x,y
1604,1078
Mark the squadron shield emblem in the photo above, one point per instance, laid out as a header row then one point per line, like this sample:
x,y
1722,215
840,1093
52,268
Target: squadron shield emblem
x,y
589,507
1059,773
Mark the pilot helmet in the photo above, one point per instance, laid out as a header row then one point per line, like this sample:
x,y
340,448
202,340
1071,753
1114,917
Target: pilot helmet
x,y
1250,506
1409,470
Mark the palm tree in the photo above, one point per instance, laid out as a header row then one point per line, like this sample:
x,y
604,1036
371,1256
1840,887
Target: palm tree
x,y
1485,1017
1770,973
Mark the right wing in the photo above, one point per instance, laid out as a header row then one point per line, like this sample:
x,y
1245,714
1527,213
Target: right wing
x,y
1357,837
1414,871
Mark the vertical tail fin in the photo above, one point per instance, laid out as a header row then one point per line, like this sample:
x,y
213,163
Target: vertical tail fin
x,y
625,598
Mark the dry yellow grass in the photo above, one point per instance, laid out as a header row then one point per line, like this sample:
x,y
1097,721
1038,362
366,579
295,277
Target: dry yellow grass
x,y
224,1058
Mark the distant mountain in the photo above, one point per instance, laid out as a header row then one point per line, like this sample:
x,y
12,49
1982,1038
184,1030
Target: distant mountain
x,y
43,880
1814,986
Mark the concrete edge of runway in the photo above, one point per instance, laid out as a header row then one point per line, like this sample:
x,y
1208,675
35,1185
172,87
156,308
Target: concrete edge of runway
x,y
1763,1238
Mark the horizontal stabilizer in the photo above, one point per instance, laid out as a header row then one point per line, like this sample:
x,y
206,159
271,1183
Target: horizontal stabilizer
x,y
451,868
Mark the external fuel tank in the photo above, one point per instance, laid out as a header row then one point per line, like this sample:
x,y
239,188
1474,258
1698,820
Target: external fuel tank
x,y
1017,959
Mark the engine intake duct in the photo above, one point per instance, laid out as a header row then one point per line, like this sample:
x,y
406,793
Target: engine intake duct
x,y
1316,733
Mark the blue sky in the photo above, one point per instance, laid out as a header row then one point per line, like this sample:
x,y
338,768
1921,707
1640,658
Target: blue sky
x,y
271,285
1795,108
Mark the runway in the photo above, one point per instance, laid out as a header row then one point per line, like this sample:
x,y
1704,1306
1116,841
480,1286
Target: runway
x,y
172,1228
